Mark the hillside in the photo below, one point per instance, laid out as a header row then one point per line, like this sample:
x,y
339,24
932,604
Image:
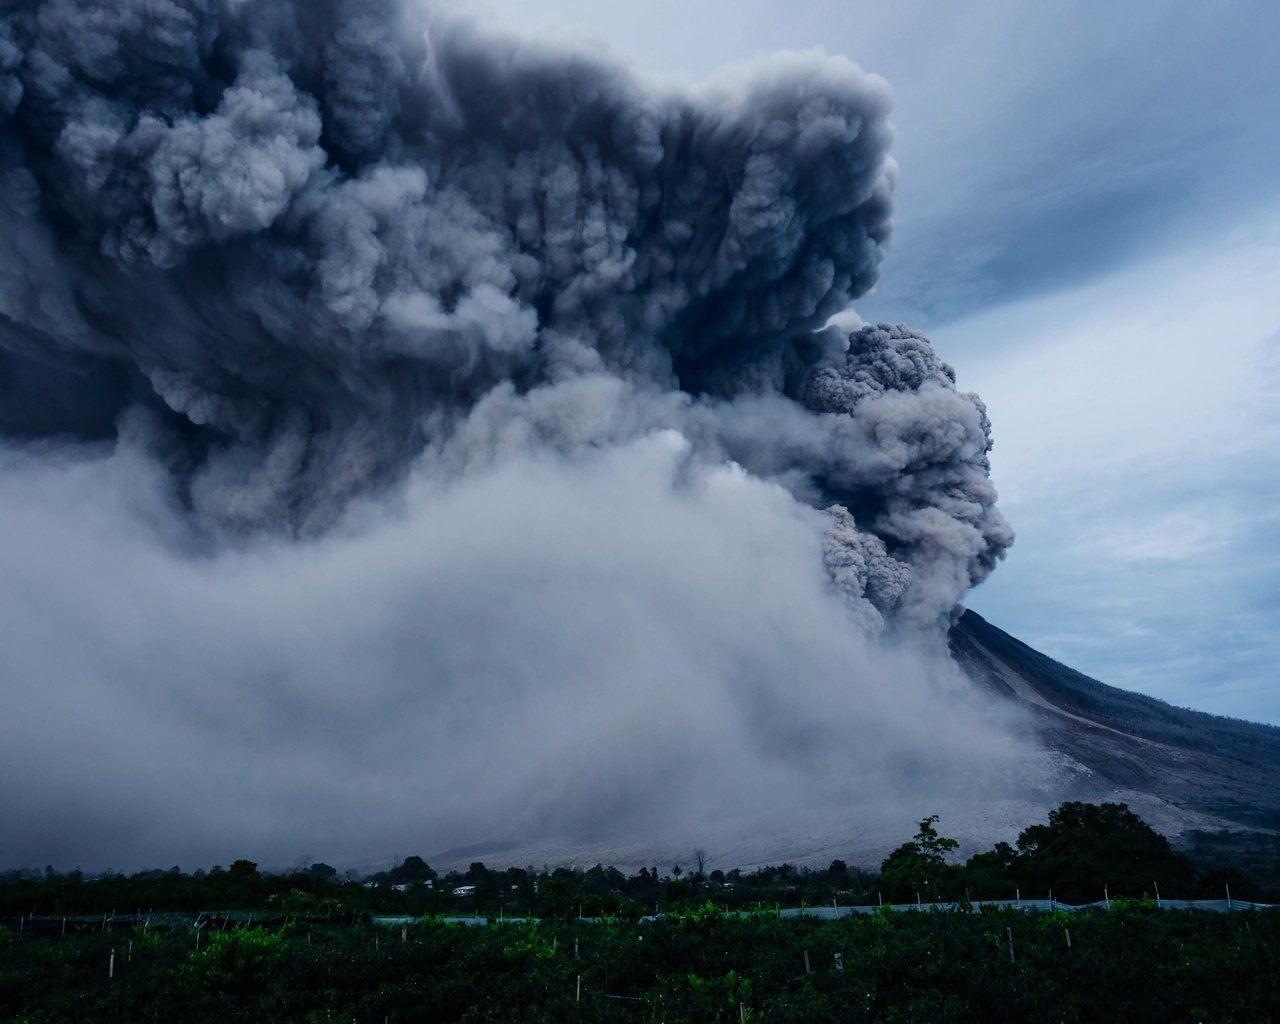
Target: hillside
x,y
1213,782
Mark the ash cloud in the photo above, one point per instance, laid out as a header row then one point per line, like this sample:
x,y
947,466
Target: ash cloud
x,y
285,287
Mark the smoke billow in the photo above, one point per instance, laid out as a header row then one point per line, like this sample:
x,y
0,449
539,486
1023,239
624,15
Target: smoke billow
x,y
373,382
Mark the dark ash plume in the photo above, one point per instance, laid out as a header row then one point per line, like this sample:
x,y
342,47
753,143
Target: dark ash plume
x,y
411,435
917,474
296,246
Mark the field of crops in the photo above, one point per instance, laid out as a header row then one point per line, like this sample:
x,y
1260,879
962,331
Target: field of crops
x,y
1134,963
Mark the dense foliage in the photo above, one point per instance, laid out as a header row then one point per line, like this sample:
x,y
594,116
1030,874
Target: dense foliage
x,y
238,944
1084,852
1132,964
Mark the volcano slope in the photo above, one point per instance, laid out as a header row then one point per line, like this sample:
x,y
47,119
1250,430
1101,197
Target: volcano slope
x,y
1212,784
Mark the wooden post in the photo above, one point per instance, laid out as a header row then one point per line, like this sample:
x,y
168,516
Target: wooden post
x,y
1106,896
1068,931
1010,931
575,947
579,997
1228,895
1157,888
807,969
742,1013
111,966
131,951
64,926
404,932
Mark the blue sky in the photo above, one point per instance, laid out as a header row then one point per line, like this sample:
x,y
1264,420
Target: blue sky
x,y
1087,225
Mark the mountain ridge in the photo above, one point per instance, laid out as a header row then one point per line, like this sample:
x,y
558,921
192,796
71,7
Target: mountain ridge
x,y
1215,773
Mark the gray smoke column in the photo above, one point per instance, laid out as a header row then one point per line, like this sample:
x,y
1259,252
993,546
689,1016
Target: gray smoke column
x,y
294,259
296,244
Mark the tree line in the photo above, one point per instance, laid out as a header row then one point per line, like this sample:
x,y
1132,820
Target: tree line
x,y
1082,852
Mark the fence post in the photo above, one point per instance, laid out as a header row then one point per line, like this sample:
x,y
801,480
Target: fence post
x,y
111,966
1010,931
807,969
1068,931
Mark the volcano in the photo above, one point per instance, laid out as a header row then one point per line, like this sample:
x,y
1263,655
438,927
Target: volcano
x,y
1212,784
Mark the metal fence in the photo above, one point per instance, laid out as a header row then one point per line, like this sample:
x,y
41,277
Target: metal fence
x,y
221,920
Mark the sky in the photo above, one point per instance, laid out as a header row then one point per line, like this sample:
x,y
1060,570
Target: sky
x,y
1087,225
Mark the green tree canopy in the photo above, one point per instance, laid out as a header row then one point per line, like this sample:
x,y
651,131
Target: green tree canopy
x,y
919,867
412,869
1086,847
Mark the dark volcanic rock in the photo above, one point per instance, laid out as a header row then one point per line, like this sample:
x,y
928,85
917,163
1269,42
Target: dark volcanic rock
x,y
1205,772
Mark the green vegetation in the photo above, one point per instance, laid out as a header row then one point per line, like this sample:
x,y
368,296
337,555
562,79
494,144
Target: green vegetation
x,y
1132,964
1081,850
242,945
919,869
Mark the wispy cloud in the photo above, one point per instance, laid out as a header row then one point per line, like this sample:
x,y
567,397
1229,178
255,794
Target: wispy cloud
x,y
1136,451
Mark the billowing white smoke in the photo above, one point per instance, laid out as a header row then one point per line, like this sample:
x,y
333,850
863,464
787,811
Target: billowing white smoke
x,y
619,646
420,432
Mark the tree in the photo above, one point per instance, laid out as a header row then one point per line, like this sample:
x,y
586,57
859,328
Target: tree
x,y
412,869
1086,848
324,872
992,875
920,866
